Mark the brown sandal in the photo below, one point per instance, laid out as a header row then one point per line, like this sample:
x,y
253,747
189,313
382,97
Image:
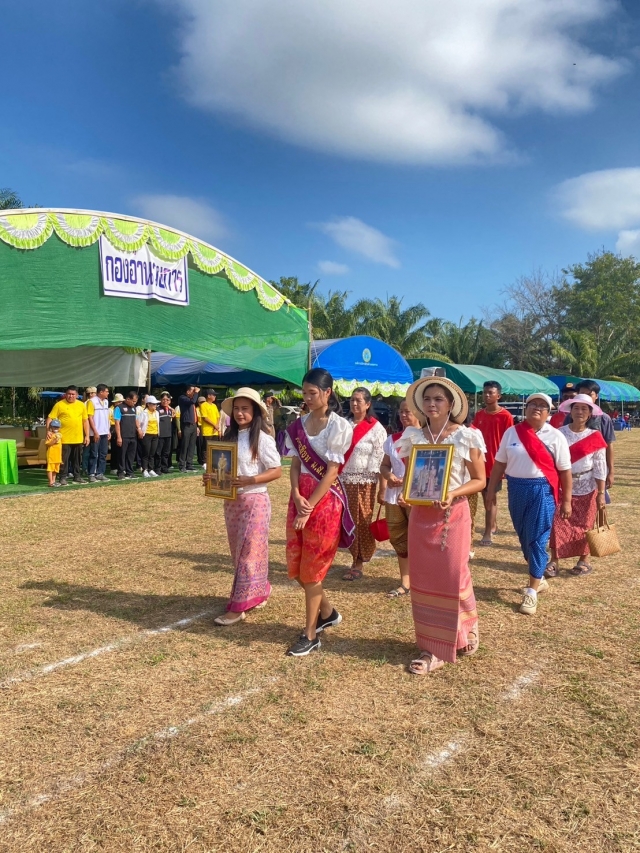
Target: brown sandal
x,y
400,592
472,645
425,664
581,569
552,570
352,575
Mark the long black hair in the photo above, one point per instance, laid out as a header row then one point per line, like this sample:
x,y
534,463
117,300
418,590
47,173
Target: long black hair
x,y
323,380
367,398
257,426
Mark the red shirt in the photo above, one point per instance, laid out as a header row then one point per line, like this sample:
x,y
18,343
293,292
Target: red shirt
x,y
493,426
558,419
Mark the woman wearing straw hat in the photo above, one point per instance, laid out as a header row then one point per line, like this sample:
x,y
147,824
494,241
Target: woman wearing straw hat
x,y
247,517
442,599
588,451
535,457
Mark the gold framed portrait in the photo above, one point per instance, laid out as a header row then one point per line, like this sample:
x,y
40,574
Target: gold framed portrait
x,y
222,464
428,471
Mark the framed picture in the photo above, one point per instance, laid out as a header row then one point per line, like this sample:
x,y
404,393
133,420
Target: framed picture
x,y
222,463
427,478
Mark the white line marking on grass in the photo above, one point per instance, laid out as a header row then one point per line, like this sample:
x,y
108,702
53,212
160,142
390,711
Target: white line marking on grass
x,y
19,649
70,783
436,759
520,685
102,650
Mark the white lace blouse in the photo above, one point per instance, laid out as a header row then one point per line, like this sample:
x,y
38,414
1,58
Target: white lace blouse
x,y
364,463
331,444
590,468
268,457
463,440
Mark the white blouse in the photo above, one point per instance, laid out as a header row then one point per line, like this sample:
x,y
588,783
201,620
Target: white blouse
x,y
330,444
397,469
520,464
590,468
364,463
268,457
463,440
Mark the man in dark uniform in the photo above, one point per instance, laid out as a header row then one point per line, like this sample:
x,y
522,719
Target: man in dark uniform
x,y
127,433
188,427
163,453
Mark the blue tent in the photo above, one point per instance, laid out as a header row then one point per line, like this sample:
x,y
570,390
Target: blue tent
x,y
362,360
613,392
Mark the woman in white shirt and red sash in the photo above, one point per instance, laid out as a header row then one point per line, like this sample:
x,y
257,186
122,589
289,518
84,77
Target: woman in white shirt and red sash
x,y
362,479
535,458
587,448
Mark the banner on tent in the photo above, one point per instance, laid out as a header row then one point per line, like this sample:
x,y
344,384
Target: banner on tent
x,y
143,275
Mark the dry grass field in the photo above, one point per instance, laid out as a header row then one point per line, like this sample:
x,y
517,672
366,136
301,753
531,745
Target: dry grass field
x,y
130,722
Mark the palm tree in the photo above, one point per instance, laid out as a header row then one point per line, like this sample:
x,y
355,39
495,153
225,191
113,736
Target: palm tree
x,y
403,329
330,317
577,351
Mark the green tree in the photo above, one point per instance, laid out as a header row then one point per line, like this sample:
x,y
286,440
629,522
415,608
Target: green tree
x,y
404,329
602,297
578,352
463,343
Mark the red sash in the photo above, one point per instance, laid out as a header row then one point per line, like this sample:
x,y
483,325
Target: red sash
x,y
359,432
540,455
587,445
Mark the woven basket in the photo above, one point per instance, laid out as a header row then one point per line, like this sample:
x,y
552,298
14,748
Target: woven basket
x,y
603,539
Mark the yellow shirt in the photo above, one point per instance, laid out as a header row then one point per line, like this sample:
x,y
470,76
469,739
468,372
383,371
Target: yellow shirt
x,y
54,448
71,417
209,410
152,424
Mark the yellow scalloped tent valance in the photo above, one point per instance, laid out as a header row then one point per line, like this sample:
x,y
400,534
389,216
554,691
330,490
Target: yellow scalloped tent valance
x,y
30,229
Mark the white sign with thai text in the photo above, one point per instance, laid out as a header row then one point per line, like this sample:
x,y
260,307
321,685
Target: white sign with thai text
x,y
143,275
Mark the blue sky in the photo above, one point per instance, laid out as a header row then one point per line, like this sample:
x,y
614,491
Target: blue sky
x,y
431,151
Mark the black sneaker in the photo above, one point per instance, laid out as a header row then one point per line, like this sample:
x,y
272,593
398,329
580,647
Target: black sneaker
x,y
93,478
303,645
122,476
330,622
63,482
80,481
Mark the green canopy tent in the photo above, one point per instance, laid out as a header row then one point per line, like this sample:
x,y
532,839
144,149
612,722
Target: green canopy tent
x,y
471,377
59,323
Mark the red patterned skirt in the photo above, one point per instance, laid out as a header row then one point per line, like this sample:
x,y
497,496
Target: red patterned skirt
x,y
569,535
442,598
311,551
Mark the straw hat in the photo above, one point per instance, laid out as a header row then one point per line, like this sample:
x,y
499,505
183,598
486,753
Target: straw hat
x,y
460,408
249,394
117,398
580,398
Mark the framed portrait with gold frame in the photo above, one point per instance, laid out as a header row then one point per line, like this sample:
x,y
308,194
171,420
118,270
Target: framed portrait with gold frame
x,y
222,464
428,471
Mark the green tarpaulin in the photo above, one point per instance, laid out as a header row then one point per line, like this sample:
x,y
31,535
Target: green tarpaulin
x,y
471,377
51,297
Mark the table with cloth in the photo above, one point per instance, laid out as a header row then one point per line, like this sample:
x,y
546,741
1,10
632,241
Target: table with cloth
x,y
8,462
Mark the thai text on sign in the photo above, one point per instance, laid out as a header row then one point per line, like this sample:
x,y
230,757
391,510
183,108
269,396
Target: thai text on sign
x,y
143,274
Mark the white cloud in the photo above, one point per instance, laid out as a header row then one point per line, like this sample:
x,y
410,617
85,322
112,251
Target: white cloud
x,y
332,268
604,200
629,243
195,216
356,236
413,81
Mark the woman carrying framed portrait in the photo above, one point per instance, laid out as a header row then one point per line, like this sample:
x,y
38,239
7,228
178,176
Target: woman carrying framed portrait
x,y
442,598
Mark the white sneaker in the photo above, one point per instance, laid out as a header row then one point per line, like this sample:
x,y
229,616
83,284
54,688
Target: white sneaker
x,y
146,474
529,603
542,587
152,474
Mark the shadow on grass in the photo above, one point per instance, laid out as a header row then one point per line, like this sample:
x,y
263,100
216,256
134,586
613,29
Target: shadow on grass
x,y
155,611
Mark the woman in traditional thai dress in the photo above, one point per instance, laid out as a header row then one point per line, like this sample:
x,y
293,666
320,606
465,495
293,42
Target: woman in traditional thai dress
x,y
397,515
318,518
535,457
247,517
362,479
442,599
587,449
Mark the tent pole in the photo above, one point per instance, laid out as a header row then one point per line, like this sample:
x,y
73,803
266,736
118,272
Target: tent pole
x,y
148,355
310,335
